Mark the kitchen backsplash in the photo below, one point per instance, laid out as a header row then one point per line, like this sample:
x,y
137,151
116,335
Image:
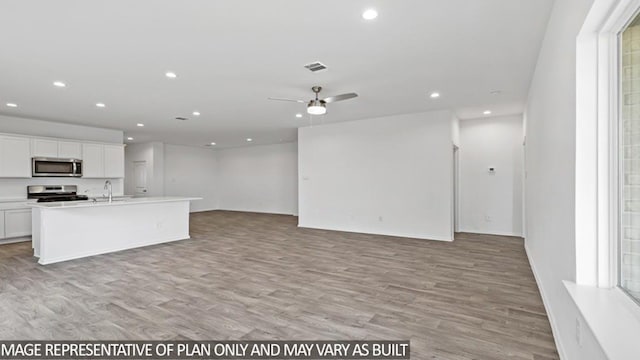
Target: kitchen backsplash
x,y
17,188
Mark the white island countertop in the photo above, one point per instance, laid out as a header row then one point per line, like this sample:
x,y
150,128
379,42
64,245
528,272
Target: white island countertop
x,y
76,229
115,202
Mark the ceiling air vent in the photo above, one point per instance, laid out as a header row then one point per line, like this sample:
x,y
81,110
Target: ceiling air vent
x,y
316,66
181,118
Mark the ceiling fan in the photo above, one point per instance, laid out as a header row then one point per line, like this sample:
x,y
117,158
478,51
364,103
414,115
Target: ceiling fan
x,y
319,106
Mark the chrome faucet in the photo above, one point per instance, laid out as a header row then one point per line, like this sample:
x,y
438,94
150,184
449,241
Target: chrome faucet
x,y
107,186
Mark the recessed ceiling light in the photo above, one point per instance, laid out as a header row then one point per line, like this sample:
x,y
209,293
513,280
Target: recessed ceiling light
x,y
196,113
298,115
59,84
171,75
496,92
12,105
129,138
487,112
100,105
369,14
435,95
139,124
249,139
213,143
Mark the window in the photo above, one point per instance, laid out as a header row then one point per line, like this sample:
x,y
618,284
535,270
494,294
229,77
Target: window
x,y
629,165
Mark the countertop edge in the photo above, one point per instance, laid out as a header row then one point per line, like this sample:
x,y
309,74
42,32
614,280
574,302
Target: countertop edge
x,y
90,204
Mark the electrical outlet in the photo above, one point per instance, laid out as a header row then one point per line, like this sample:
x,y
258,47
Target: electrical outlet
x,y
487,218
578,331
380,218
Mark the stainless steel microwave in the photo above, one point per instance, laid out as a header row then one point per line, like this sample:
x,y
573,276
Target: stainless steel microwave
x,y
54,167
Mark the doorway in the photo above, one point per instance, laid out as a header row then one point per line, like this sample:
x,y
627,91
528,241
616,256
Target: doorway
x,y
456,220
140,178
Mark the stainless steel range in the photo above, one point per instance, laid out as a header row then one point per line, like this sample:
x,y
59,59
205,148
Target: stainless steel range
x,y
51,193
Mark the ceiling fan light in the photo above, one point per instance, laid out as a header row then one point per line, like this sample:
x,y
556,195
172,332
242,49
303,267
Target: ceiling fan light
x,y
316,108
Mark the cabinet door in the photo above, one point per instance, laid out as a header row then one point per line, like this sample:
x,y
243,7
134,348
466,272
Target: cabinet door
x,y
113,161
15,157
69,150
92,161
45,148
17,223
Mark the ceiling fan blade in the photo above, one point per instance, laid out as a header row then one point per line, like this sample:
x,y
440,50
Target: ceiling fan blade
x,y
340,97
283,99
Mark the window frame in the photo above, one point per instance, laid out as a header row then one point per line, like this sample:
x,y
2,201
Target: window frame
x,y
619,152
598,137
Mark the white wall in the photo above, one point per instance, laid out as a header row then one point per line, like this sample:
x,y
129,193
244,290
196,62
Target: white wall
x,y
455,138
259,179
158,169
550,168
153,155
455,131
17,188
192,171
390,175
491,142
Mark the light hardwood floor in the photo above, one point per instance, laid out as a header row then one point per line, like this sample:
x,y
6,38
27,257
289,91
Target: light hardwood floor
x,y
258,276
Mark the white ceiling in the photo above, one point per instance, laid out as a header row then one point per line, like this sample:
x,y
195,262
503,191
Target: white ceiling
x,y
230,55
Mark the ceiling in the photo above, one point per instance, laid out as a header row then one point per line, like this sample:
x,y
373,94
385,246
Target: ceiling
x,y
230,55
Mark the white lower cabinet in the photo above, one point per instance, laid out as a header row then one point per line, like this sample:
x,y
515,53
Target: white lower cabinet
x,y
17,223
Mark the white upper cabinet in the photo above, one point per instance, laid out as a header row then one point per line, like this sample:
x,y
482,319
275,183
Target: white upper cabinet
x,y
102,161
15,157
56,149
99,161
113,161
45,148
69,150
93,160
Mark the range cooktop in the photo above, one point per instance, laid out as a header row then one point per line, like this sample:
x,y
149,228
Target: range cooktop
x,y
63,198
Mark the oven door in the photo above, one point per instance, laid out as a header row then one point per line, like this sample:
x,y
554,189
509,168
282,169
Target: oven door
x,y
52,167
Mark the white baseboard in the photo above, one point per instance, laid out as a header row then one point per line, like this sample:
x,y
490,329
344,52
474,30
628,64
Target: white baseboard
x,y
545,302
499,233
258,211
15,240
202,210
249,211
359,231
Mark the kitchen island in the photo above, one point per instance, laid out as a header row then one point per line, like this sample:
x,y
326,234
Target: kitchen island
x,y
76,229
